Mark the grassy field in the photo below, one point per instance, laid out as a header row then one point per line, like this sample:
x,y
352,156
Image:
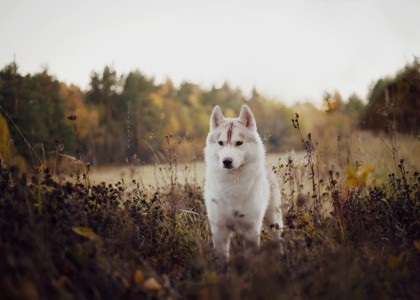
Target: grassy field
x,y
161,175
351,215
362,158
363,148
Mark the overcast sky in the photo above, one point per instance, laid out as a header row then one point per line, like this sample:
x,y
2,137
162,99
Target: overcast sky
x,y
290,50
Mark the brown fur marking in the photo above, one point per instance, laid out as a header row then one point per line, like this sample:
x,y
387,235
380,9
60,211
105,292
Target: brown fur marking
x,y
229,133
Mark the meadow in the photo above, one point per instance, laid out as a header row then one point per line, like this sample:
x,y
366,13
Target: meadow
x,y
160,175
352,230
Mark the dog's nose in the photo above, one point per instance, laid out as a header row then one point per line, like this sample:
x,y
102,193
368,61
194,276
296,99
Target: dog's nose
x,y
227,163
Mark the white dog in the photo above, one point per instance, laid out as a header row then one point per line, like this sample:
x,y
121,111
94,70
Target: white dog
x,y
240,193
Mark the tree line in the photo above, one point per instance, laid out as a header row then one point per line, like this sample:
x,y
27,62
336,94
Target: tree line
x,y
130,118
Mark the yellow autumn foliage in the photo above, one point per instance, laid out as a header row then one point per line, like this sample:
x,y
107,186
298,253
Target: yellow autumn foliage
x,y
8,156
74,104
4,136
157,100
357,177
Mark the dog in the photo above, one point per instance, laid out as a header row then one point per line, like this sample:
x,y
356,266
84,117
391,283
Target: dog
x,y
240,193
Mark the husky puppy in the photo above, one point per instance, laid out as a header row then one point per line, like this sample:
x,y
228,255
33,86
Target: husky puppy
x,y
240,193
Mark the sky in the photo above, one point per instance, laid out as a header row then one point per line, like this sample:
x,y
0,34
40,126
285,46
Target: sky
x,y
290,51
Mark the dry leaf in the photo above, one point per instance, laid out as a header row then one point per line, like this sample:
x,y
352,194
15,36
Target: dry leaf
x,y
30,291
395,260
125,282
417,244
61,282
152,284
86,232
138,276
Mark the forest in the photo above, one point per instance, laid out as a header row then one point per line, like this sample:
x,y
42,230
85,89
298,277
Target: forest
x,y
127,118
350,191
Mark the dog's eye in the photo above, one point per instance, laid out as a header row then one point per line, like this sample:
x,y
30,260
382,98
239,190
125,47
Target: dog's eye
x,y
238,143
220,143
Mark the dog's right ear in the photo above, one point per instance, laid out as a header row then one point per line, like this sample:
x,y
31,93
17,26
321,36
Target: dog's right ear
x,y
216,117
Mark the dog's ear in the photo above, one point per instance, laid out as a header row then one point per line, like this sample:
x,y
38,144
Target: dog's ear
x,y
247,118
216,117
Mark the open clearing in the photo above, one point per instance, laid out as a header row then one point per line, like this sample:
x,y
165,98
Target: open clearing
x,y
165,174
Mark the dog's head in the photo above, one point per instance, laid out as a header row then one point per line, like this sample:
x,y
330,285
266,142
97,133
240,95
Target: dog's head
x,y
233,140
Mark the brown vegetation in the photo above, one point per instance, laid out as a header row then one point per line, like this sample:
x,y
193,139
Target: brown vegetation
x,y
83,241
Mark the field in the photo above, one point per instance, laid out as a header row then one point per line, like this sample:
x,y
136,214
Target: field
x,y
161,175
140,232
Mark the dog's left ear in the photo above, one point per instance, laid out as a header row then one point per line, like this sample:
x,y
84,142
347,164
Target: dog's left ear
x,y
247,118
216,117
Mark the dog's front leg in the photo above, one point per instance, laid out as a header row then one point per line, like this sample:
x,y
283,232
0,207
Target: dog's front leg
x,y
221,243
251,242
